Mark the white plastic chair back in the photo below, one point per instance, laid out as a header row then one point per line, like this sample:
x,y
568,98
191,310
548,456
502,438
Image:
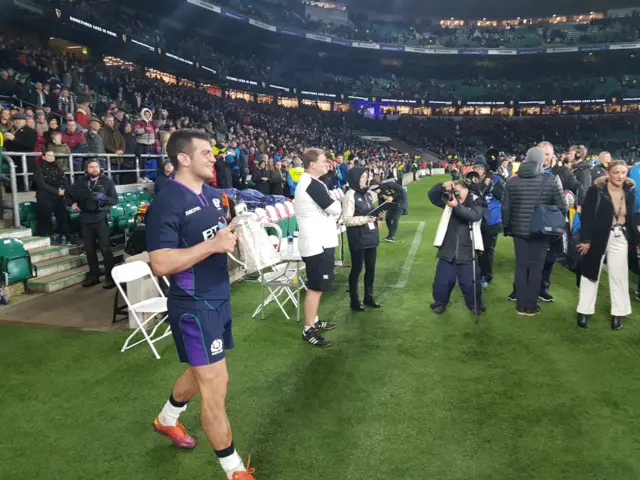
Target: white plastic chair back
x,y
272,213
282,211
260,212
290,207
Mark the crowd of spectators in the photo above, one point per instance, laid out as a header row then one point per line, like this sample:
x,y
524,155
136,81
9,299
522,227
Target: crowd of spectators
x,y
80,106
359,27
336,77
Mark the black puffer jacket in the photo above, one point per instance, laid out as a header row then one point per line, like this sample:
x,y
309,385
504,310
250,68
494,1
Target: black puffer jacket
x,y
530,187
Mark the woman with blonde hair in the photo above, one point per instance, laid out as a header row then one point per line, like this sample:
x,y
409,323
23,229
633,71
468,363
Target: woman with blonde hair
x,y
609,230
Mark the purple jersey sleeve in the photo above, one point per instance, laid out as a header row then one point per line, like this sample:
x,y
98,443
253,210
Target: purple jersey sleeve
x,y
163,227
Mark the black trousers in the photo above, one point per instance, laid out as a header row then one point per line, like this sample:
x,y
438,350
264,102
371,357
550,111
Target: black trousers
x,y
45,207
97,235
393,220
530,257
360,257
550,260
485,259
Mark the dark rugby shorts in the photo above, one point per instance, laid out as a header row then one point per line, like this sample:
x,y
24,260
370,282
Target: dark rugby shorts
x,y
201,333
320,270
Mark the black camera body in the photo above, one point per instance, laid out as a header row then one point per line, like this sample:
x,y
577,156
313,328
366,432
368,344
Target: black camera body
x,y
448,196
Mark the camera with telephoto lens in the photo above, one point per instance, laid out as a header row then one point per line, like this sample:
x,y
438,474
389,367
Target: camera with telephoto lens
x,y
448,196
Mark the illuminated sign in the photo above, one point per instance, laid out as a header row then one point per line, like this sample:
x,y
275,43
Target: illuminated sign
x,y
240,80
318,94
142,44
180,59
600,100
391,100
485,103
92,26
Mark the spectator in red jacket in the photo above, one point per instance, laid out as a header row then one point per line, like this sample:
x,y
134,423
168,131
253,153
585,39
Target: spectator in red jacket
x,y
83,114
76,142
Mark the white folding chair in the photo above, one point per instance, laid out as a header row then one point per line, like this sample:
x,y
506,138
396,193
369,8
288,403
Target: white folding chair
x,y
282,211
272,213
278,283
129,272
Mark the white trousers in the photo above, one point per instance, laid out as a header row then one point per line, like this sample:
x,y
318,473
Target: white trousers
x,y
618,271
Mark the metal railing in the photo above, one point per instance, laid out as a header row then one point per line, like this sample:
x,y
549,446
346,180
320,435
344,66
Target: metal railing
x,y
14,191
21,103
12,157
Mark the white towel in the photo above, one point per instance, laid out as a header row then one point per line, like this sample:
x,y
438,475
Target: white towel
x,y
444,224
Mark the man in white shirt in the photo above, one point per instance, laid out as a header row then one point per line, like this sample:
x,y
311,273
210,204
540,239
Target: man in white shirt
x,y
316,214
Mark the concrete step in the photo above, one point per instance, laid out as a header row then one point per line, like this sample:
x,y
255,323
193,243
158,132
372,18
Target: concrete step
x,y
47,253
66,278
21,233
60,264
58,281
31,243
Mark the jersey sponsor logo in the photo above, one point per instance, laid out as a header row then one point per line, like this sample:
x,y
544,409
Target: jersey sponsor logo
x,y
209,233
192,211
216,347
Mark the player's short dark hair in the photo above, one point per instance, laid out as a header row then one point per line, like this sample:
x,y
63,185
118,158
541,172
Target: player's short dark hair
x,y
311,155
181,141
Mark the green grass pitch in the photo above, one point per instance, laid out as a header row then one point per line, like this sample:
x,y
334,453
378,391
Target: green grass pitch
x,y
403,393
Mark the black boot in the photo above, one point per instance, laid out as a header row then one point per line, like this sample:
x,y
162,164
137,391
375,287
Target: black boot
x,y
370,301
356,305
583,321
616,323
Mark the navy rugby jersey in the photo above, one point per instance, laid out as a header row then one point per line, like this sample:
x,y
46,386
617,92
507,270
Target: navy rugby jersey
x,y
180,218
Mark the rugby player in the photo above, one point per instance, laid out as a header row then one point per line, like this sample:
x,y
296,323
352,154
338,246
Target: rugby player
x,y
188,241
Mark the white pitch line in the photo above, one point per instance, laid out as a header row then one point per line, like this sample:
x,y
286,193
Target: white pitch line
x,y
408,263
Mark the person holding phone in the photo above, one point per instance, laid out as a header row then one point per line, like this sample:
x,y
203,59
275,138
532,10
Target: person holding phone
x,y
363,235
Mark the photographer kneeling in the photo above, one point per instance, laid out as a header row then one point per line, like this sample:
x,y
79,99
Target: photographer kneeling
x,y
463,211
609,229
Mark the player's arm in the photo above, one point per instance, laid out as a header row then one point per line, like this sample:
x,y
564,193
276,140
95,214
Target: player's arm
x,y
163,242
320,195
169,261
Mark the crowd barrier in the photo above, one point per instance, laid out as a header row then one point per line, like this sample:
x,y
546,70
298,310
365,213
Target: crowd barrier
x,y
12,157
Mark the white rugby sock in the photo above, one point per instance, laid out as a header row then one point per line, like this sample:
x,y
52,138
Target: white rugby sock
x,y
170,414
231,464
